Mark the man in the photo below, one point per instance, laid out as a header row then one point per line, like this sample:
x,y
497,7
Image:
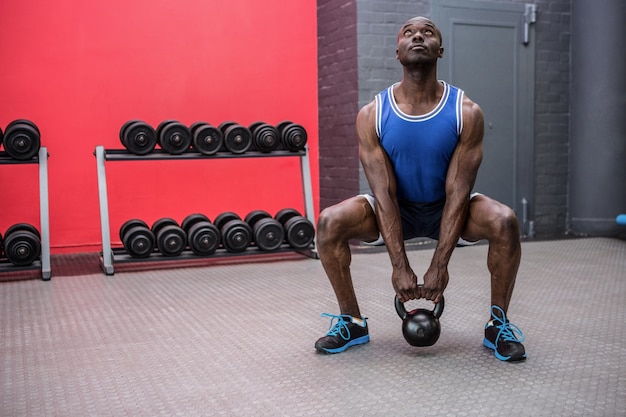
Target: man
x,y
420,144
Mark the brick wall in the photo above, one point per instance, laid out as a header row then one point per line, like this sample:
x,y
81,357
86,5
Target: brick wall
x,y
338,100
552,117
375,33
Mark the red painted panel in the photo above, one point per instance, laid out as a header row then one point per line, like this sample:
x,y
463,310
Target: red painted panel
x,y
80,69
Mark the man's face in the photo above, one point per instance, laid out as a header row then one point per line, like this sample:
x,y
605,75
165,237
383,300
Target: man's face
x,y
419,40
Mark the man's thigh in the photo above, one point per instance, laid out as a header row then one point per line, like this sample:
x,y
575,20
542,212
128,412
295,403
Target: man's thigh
x,y
354,218
482,215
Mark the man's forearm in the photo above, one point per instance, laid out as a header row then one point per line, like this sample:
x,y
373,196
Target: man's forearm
x,y
452,221
390,226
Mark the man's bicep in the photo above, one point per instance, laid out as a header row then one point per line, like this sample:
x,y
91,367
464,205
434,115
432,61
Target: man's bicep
x,y
371,153
467,156
473,142
369,144
366,128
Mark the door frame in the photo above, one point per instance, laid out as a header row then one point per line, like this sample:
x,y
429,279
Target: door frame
x,y
524,144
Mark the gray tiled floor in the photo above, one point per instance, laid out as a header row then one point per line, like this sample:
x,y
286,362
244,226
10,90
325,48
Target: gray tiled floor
x,y
237,340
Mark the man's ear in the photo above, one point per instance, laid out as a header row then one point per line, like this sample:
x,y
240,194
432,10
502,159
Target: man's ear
x,y
441,52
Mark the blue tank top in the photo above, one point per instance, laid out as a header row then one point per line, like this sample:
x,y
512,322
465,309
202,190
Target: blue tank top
x,y
420,147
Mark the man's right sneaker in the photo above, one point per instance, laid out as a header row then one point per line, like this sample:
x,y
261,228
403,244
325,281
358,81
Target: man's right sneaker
x,y
345,332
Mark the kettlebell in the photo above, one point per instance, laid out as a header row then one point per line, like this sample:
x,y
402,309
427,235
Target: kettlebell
x,y
420,327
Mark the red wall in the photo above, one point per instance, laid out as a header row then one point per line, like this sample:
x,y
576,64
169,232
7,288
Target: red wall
x,y
80,69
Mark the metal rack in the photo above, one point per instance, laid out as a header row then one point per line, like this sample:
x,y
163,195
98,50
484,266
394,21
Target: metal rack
x,y
44,262
119,256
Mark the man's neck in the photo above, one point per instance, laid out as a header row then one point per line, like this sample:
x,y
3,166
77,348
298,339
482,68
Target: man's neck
x,y
419,88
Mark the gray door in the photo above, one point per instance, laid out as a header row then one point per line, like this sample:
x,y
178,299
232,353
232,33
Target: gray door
x,y
487,54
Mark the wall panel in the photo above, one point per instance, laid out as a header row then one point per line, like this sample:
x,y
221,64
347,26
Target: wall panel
x,y
80,69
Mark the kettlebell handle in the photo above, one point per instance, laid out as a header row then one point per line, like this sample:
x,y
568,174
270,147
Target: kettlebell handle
x,y
402,313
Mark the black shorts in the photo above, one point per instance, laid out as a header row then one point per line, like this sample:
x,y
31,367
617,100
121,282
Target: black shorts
x,y
418,219
421,219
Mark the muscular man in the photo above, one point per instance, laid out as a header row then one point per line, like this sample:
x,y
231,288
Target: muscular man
x,y
420,144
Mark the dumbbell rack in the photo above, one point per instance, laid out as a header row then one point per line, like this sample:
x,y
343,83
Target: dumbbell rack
x,y
44,262
120,256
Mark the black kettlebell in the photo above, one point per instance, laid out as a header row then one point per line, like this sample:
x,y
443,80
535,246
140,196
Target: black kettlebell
x,y
420,327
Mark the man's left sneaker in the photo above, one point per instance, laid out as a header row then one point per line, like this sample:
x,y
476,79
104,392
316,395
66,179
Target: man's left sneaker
x,y
501,336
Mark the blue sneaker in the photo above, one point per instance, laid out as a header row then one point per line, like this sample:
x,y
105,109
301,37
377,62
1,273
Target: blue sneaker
x,y
345,332
501,336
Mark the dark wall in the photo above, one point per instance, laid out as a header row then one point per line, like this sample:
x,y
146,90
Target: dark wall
x,y
598,143
338,100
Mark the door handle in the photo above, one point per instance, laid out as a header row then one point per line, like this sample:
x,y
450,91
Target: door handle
x,y
530,17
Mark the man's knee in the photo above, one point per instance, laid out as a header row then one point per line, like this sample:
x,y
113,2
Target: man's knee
x,y
505,223
328,222
353,218
491,220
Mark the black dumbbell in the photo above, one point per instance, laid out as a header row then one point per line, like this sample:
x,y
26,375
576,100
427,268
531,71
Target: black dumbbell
x,y
236,234
22,244
265,137
138,137
237,138
171,239
137,238
205,138
1,246
299,231
292,135
203,237
22,139
1,136
267,233
173,137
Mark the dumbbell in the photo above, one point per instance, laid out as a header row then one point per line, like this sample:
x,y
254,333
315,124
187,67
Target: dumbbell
x,y
236,234
237,138
299,231
265,137
22,139
22,244
173,137
267,233
137,238
1,136
171,239
205,138
292,135
138,137
203,237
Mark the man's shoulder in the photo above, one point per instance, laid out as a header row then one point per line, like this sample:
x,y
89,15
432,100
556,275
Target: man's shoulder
x,y
468,104
453,88
367,112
